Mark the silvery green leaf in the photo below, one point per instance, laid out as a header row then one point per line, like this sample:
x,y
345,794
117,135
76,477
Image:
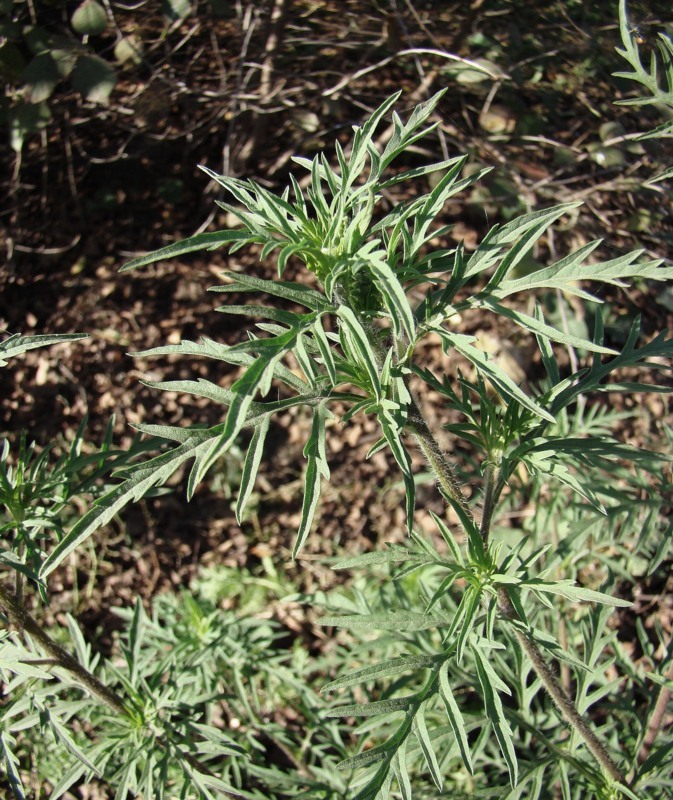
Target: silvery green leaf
x,y
392,554
325,350
448,538
387,621
569,589
253,459
533,230
141,479
537,457
364,759
465,618
82,647
405,134
374,709
568,272
63,736
392,434
456,719
659,347
243,390
547,353
316,469
16,345
12,765
13,659
496,714
361,347
69,778
432,203
202,241
398,765
497,376
393,295
418,172
538,326
128,780
393,667
489,250
423,736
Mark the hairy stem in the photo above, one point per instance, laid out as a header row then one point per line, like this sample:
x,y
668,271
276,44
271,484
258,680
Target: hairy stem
x,y
449,483
489,502
440,465
656,721
19,615
561,700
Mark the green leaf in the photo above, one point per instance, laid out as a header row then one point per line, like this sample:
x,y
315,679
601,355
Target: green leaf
x,y
286,290
455,717
41,76
316,469
12,765
539,327
13,659
421,731
16,345
387,621
568,272
569,589
658,348
498,377
399,767
393,667
393,295
142,478
253,459
393,554
325,351
94,78
361,347
374,709
202,241
89,19
496,714
176,9
364,759
490,249
63,736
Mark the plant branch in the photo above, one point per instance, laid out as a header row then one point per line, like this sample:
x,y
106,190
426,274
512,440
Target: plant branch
x,y
439,463
63,659
561,700
449,483
490,482
656,721
19,615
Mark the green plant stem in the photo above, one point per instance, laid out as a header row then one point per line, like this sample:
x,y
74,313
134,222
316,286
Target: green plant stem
x,y
561,700
22,619
449,483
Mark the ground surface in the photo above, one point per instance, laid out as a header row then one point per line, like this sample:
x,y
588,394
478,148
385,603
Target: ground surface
x,y
242,93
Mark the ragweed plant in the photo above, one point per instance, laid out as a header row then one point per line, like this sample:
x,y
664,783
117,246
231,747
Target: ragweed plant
x,y
462,691
378,287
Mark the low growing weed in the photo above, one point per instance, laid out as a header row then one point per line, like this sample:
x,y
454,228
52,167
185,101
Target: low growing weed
x,y
480,661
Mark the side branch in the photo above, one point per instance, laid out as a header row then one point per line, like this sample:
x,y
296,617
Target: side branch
x,y
561,700
62,658
451,488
